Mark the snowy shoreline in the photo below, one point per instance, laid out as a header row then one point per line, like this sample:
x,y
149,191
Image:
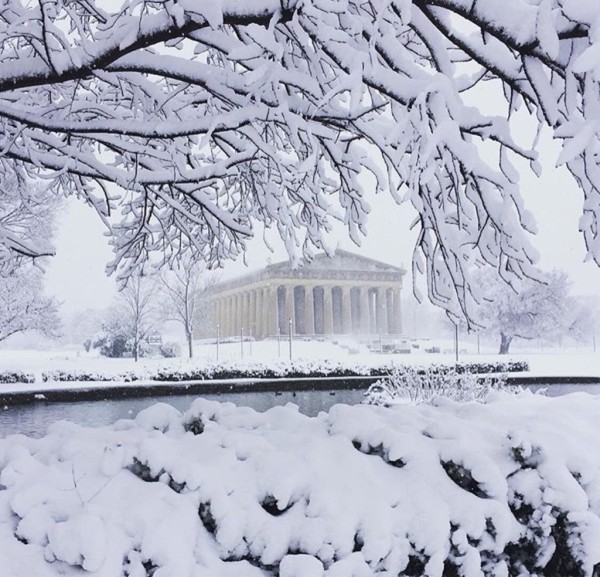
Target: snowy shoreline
x,y
97,390
74,391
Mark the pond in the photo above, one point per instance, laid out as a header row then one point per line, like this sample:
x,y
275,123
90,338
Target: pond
x,y
33,419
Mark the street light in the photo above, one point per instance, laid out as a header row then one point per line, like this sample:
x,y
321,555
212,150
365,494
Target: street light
x,y
290,336
456,341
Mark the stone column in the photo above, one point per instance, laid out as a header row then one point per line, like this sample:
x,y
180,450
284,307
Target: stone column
x,y
380,311
223,316
252,312
372,294
271,311
309,310
389,309
247,317
346,310
397,311
289,308
258,312
327,311
235,325
229,323
229,315
240,314
364,310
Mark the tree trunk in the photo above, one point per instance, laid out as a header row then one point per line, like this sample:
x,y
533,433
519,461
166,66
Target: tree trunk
x,y
505,341
190,346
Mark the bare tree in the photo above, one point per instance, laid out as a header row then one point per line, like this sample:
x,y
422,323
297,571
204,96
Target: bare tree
x,y
23,306
202,118
184,287
138,310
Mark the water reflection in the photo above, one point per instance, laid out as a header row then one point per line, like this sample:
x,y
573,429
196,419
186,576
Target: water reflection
x,y
34,419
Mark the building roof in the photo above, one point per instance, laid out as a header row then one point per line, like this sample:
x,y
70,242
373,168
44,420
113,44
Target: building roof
x,y
343,265
343,260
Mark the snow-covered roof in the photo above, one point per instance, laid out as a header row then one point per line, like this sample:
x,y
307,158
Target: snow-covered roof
x,y
344,265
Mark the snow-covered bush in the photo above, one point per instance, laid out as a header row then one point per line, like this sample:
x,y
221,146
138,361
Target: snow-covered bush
x,y
509,487
112,340
170,350
419,385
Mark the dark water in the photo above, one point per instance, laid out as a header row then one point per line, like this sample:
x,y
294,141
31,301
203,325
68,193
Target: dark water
x,y
34,419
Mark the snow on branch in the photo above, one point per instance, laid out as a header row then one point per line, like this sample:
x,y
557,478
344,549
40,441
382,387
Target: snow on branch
x,y
184,124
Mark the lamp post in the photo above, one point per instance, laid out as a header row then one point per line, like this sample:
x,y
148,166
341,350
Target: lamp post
x,y
290,336
242,341
456,342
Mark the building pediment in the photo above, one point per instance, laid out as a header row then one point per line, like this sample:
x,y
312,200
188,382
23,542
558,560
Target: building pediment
x,y
343,267
342,261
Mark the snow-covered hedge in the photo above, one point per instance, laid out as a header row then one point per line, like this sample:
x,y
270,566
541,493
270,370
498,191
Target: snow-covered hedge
x,y
506,488
320,368
257,369
16,377
81,375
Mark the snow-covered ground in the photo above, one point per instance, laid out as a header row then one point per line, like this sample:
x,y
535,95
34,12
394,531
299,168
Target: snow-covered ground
x,y
568,362
511,487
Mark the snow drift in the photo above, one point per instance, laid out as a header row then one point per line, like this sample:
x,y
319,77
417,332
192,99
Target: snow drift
x,y
508,487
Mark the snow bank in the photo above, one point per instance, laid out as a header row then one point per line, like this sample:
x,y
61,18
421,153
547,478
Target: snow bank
x,y
509,487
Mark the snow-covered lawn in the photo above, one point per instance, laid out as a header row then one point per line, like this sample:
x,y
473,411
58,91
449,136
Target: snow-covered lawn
x,y
510,487
550,363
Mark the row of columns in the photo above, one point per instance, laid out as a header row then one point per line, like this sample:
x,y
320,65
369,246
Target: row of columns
x,y
312,309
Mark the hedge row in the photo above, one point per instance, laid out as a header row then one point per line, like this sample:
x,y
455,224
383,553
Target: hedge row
x,y
319,369
253,370
16,377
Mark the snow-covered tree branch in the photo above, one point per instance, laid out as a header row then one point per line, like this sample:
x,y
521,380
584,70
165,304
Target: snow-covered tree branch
x,y
186,123
26,220
23,307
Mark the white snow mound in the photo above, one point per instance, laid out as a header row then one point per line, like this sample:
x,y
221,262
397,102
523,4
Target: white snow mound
x,y
508,487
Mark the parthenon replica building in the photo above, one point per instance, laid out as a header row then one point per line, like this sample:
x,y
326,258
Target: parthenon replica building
x,y
344,294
